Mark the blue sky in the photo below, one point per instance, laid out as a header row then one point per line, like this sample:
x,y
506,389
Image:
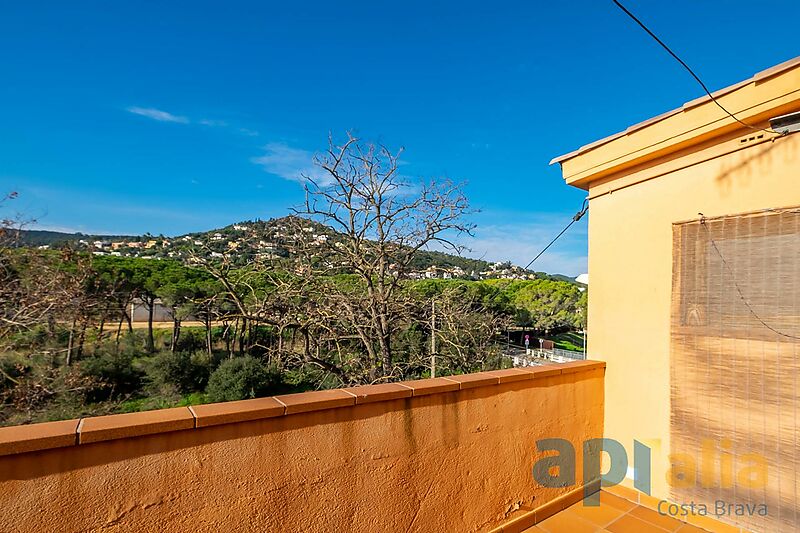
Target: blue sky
x,y
170,117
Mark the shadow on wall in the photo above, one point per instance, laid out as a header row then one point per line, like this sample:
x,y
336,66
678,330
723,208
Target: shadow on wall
x,y
741,168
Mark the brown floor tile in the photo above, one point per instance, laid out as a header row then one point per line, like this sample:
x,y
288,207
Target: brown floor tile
x,y
631,524
564,522
689,528
606,498
614,515
654,517
600,516
623,492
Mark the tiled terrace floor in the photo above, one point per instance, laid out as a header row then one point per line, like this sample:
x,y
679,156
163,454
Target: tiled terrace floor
x,y
614,515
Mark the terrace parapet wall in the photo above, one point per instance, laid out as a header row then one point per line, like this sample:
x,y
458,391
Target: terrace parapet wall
x,y
442,454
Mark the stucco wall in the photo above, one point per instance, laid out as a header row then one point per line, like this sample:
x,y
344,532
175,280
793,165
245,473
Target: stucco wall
x,y
434,459
630,266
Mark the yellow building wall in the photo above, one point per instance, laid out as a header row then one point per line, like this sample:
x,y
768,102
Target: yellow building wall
x,y
630,266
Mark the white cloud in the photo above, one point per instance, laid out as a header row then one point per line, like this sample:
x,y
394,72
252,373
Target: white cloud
x,y
66,229
519,242
214,123
290,163
164,116
157,114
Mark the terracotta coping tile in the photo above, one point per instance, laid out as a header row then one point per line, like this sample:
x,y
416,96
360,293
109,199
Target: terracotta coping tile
x,y
511,374
20,439
380,392
213,414
32,437
100,428
422,387
316,400
479,379
579,366
543,371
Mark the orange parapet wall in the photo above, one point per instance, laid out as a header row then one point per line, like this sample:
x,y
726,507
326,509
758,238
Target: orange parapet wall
x,y
444,454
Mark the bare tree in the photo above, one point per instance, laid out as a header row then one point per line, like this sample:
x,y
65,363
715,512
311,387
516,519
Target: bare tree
x,y
25,300
11,224
380,222
467,324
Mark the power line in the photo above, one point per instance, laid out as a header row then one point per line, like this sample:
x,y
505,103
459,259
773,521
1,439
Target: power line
x,y
575,218
695,76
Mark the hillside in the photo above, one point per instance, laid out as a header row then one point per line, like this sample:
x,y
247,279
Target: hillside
x,y
36,237
258,239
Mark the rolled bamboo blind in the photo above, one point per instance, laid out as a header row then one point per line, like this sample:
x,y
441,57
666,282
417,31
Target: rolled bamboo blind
x,y
735,339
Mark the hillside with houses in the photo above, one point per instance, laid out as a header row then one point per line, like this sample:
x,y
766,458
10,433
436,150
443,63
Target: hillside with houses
x,y
271,241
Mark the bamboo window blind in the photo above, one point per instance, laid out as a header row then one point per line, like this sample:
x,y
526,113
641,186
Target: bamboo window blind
x,y
735,344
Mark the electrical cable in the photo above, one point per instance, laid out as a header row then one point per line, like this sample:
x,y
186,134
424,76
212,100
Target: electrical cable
x,y
575,218
695,76
736,285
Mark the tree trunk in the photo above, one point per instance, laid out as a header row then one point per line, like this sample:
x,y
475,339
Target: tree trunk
x,y
128,316
51,325
119,332
232,339
386,355
208,333
100,330
226,337
81,338
70,343
242,335
151,347
384,341
306,343
176,332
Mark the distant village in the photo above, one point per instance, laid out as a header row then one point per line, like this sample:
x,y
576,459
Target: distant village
x,y
265,241
497,270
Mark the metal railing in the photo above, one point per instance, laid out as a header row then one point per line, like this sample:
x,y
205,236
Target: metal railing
x,y
569,354
538,356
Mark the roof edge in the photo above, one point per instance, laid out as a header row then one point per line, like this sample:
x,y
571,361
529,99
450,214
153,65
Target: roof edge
x,y
759,76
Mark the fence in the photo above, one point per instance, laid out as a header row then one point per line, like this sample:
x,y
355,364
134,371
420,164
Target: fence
x,y
537,356
569,354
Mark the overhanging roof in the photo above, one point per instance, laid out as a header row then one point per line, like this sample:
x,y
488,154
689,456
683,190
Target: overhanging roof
x,y
738,98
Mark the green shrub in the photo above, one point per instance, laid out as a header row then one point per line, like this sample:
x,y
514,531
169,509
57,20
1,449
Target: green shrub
x,y
185,371
115,371
12,367
40,338
192,339
241,378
